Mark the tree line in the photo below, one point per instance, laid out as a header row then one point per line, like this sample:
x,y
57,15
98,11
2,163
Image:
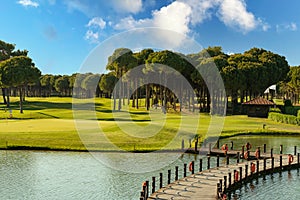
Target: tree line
x,y
168,79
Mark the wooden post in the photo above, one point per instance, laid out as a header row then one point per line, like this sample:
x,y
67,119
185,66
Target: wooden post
x,y
234,173
258,152
153,184
182,144
265,148
190,143
209,148
257,167
271,152
280,162
281,149
265,165
200,166
193,167
229,179
160,180
221,185
169,176
196,146
272,163
176,173
241,173
218,144
238,157
298,158
147,190
142,197
295,150
231,145
227,160
243,150
225,182
218,160
208,162
246,170
248,153
184,170
218,189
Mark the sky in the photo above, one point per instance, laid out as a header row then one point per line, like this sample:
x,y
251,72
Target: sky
x,y
60,34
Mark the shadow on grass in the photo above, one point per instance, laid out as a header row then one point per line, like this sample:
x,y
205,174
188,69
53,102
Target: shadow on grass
x,y
123,120
52,116
38,105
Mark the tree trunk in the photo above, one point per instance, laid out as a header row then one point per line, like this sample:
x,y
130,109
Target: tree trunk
x,y
137,94
4,95
21,100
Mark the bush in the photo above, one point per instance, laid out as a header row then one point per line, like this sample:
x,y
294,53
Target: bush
x,y
275,110
288,102
283,118
291,110
298,115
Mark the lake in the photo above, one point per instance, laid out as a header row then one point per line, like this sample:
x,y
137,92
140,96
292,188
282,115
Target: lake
x,y
82,175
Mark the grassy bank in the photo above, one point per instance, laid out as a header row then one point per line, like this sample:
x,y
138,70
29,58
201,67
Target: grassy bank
x,y
48,123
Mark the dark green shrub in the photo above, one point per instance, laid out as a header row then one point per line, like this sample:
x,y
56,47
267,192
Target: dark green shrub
x,y
283,118
288,102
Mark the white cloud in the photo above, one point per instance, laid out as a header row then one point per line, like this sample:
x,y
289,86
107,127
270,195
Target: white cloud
x,y
92,36
27,3
286,27
127,6
174,17
292,26
233,13
95,25
129,22
201,9
98,22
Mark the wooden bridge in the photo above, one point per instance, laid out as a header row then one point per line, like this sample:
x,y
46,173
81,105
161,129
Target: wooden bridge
x,y
213,183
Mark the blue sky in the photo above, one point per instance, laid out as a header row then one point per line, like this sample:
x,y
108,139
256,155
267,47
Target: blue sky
x,y
60,34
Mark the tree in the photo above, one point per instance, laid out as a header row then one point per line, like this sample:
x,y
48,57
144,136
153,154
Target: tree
x,y
120,62
62,85
108,82
90,84
18,72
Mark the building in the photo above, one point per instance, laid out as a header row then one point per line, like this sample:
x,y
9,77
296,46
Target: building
x,y
258,107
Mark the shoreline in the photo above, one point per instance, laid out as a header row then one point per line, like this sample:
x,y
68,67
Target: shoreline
x,y
186,150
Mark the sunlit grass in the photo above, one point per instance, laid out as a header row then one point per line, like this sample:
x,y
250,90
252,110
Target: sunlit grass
x,y
51,123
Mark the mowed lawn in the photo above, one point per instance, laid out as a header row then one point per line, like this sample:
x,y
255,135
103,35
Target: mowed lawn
x,y
55,124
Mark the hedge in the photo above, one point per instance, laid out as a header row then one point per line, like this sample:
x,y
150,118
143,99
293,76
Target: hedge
x,y
283,118
291,110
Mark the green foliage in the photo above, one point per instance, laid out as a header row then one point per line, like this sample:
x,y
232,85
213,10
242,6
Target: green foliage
x,y
107,82
287,103
275,110
283,118
298,115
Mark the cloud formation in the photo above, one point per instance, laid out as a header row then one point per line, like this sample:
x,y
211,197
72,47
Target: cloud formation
x,y
27,3
233,13
287,27
127,6
92,36
95,25
180,15
98,22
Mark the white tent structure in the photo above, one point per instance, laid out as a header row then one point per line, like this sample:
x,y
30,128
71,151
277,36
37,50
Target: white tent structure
x,y
272,87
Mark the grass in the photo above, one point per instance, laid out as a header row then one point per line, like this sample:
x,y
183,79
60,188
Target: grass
x,y
48,123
